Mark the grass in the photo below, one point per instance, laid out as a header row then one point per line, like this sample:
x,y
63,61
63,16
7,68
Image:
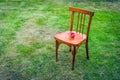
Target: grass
x,y
27,45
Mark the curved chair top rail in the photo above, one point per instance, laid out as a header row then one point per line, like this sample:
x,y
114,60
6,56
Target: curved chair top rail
x,y
73,9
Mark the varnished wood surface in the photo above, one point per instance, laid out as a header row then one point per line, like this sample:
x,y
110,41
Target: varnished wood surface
x,y
66,38
78,38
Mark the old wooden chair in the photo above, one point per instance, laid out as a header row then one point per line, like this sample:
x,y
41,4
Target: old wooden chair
x,y
74,38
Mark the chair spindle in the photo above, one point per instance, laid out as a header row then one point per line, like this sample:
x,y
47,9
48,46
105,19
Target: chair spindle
x,y
83,24
72,20
78,22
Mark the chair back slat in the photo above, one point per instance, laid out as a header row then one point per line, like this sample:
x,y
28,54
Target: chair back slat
x,y
83,24
81,17
78,22
72,20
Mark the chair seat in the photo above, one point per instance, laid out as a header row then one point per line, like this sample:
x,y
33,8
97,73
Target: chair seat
x,y
65,37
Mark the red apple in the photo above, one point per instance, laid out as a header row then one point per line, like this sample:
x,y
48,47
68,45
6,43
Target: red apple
x,y
72,34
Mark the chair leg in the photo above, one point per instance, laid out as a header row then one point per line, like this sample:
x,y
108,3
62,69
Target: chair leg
x,y
87,50
57,46
70,48
74,53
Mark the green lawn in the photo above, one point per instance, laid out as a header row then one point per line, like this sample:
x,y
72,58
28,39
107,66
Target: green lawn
x,y
27,45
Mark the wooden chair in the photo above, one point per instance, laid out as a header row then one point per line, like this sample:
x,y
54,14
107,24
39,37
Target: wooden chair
x,y
74,38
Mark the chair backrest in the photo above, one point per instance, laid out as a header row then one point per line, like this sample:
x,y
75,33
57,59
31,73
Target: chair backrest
x,y
81,19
